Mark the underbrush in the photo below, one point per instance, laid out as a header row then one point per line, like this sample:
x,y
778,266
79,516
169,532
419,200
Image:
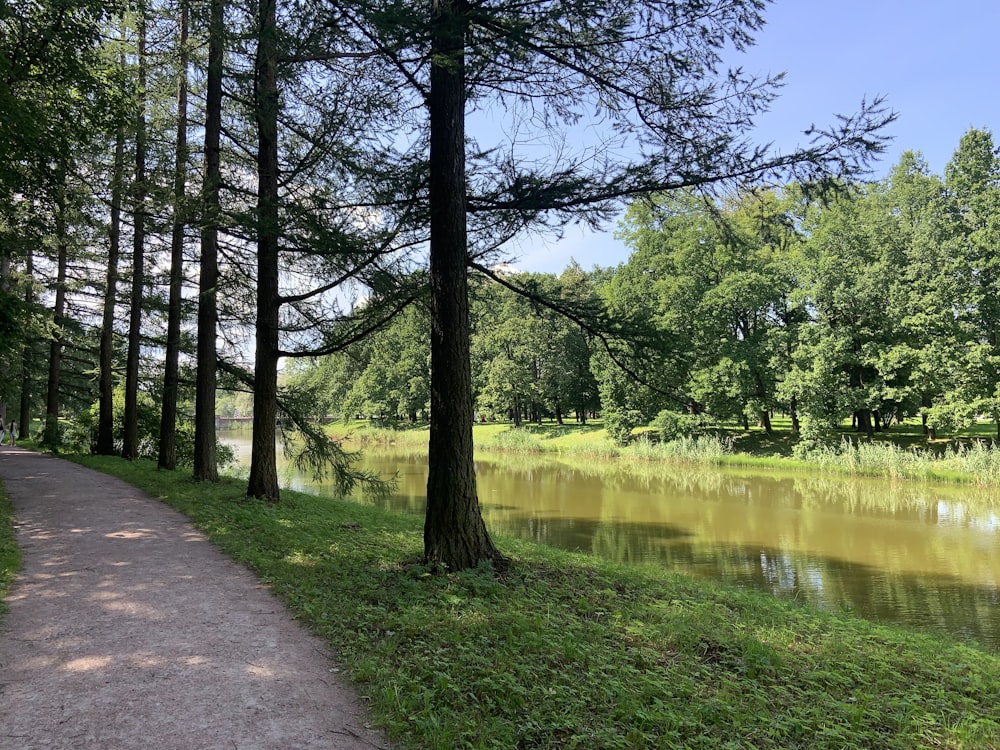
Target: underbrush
x,y
567,651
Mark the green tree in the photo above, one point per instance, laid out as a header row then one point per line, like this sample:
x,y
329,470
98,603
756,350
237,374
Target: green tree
x,y
917,363
167,457
972,182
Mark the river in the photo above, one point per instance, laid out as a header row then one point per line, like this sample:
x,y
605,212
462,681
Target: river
x,y
906,553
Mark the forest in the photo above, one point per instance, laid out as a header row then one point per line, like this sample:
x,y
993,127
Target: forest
x,y
312,203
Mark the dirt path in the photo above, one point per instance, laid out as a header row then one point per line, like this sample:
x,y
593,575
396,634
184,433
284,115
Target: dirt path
x,y
128,629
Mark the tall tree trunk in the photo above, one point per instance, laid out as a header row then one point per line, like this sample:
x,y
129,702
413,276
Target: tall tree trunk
x,y
205,465
263,482
106,380
168,412
5,286
455,535
793,410
930,432
52,435
24,414
864,422
130,445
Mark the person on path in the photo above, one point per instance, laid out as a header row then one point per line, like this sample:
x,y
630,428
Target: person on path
x,y
127,629
13,432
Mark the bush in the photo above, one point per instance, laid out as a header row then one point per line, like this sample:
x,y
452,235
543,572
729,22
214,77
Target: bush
x,y
80,435
620,424
816,436
671,425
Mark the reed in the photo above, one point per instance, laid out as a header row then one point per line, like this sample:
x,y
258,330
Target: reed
x,y
710,449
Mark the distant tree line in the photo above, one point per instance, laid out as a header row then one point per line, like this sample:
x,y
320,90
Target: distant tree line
x,y
876,304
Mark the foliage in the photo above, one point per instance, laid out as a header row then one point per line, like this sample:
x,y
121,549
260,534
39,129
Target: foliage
x,y
468,660
670,425
80,434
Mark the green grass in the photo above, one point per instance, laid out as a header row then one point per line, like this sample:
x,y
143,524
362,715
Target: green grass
x,y
567,651
566,439
902,452
10,555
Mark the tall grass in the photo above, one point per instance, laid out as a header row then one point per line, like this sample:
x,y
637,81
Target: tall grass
x,y
515,440
708,449
979,461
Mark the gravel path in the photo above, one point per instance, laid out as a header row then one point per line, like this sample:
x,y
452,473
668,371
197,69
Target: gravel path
x,y
128,629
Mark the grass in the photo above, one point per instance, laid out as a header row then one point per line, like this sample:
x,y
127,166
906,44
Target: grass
x,y
10,555
567,651
900,453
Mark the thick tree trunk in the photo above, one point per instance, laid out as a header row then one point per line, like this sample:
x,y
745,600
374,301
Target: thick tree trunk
x,y
130,444
106,379
455,535
205,465
864,422
263,483
168,411
765,421
52,435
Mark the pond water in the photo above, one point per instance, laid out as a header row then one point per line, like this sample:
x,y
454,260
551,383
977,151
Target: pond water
x,y
907,553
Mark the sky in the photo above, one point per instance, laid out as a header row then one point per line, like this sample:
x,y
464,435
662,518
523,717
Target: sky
x,y
937,63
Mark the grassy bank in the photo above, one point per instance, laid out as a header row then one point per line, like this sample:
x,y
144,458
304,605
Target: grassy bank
x,y
10,556
901,453
570,652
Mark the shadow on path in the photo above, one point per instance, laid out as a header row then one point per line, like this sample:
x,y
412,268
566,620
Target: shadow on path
x,y
128,629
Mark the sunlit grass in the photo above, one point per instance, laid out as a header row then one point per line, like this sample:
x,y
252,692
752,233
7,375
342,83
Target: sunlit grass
x,y
567,651
10,555
902,452
709,449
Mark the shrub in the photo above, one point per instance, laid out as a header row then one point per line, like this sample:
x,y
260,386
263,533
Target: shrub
x,y
671,425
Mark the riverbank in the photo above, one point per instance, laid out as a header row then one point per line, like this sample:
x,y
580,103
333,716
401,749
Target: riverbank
x,y
569,651
901,453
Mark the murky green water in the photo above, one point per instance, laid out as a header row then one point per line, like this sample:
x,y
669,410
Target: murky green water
x,y
898,552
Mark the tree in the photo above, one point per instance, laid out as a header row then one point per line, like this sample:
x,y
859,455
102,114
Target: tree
x,y
972,181
130,443
168,412
319,165
105,427
263,482
205,466
649,74
717,275
922,300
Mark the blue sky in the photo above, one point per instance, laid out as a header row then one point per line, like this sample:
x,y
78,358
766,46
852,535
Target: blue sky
x,y
937,63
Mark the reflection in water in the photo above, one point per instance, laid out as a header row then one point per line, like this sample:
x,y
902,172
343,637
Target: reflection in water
x,y
900,552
